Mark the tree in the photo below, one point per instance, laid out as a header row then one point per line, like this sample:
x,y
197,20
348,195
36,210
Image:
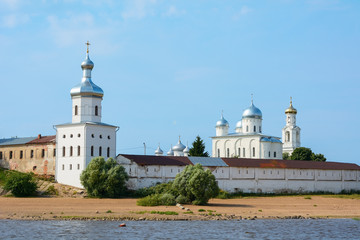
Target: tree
x,y
318,157
104,178
198,148
305,154
302,153
21,185
196,185
286,156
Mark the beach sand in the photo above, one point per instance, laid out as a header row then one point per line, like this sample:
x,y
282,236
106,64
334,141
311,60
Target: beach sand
x,y
256,207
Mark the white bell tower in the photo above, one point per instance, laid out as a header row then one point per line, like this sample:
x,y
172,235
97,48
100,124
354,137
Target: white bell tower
x,y
291,132
86,136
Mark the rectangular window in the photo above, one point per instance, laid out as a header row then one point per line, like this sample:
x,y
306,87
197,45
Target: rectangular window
x,y
239,152
63,167
54,153
274,154
11,154
218,152
1,155
243,152
31,153
70,166
78,166
21,154
43,153
228,152
253,152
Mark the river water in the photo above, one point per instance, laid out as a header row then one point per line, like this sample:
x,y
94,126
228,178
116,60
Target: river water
x,y
243,229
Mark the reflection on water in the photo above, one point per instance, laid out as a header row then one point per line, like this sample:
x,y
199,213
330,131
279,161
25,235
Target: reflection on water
x,y
245,229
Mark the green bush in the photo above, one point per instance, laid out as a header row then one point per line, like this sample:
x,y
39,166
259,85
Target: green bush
x,y
182,199
104,178
21,185
167,199
196,184
223,195
151,200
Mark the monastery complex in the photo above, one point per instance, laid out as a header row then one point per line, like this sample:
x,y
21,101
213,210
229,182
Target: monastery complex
x,y
246,160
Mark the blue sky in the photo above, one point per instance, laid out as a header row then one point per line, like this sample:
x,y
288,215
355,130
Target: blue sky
x,y
168,68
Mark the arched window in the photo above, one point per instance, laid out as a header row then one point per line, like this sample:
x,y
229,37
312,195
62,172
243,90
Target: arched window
x,y
78,150
243,152
100,151
239,152
96,111
269,154
274,154
254,128
71,151
108,152
76,110
253,152
297,137
63,151
287,136
218,153
92,151
227,152
260,129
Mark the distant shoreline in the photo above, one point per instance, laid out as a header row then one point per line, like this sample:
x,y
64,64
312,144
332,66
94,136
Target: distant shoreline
x,y
283,207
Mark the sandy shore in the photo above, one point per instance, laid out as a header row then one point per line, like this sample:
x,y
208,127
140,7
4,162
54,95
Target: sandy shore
x,y
258,207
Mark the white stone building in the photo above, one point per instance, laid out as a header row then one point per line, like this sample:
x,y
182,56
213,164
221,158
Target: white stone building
x,y
86,136
248,141
247,175
291,132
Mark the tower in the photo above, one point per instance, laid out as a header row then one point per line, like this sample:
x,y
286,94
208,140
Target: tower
x,y
222,126
251,120
291,132
86,136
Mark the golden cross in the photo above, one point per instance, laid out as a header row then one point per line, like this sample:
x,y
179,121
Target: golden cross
x,y
87,46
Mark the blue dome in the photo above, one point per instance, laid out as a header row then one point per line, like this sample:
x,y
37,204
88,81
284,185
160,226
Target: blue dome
x,y
179,147
252,112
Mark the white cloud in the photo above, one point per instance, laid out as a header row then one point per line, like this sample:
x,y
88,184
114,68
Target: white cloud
x,y
80,27
173,11
139,9
243,11
13,20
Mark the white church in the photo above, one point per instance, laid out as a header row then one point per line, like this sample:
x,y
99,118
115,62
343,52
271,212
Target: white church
x,y
246,160
248,141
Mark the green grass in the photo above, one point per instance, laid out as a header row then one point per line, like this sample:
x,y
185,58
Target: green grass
x,y
201,210
164,213
189,212
140,212
346,196
108,211
315,205
260,210
307,197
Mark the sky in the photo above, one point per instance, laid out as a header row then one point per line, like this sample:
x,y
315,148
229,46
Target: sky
x,y
169,68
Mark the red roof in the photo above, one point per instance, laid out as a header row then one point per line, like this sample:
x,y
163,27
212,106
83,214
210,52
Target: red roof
x,y
243,162
158,160
43,139
275,163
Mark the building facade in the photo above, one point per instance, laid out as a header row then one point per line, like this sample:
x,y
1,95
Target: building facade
x,y
247,141
31,154
86,136
247,175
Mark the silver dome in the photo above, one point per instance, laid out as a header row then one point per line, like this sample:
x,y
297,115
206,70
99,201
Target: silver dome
x,y
239,124
159,151
222,122
179,147
170,152
186,150
87,87
252,112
